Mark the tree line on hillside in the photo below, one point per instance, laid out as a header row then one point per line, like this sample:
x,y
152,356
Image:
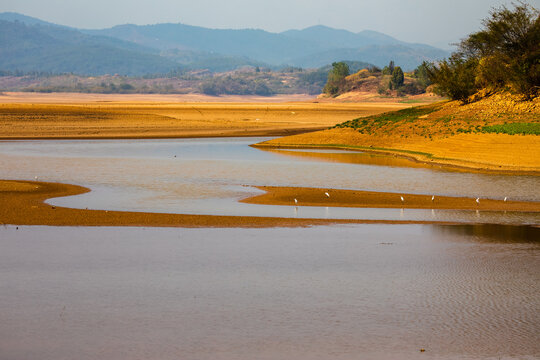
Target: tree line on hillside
x,y
504,55
391,80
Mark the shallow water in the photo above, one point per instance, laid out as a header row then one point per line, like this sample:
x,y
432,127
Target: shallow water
x,y
336,292
209,176
348,292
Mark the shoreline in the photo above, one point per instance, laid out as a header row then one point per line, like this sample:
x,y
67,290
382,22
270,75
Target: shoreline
x,y
418,157
485,153
23,203
198,134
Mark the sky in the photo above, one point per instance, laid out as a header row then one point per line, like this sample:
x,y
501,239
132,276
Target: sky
x,y
434,22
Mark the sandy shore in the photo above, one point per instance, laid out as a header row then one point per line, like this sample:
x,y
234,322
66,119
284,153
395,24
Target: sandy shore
x,y
22,203
369,199
91,116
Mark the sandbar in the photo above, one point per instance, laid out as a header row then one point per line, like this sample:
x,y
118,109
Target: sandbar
x,y
23,203
370,199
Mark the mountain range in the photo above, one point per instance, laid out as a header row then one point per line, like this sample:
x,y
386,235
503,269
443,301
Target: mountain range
x,y
30,44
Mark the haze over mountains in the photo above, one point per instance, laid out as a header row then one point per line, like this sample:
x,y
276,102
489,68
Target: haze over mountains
x,y
30,44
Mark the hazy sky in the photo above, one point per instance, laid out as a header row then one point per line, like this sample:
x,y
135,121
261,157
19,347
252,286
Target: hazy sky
x,y
436,22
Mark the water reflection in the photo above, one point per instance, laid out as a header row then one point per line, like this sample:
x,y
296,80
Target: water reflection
x,y
209,176
490,233
351,157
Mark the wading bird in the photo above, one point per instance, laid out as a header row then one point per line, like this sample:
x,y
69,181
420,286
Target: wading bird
x,y
402,199
433,198
478,200
327,194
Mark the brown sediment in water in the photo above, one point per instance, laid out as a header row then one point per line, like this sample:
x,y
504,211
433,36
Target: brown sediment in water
x,y
369,199
22,203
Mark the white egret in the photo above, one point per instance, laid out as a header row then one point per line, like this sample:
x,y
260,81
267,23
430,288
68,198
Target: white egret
x,y
505,198
327,194
402,199
295,201
478,200
433,198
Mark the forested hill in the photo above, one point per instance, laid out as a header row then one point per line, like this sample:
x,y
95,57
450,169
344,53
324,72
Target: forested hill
x,y
311,47
54,49
31,44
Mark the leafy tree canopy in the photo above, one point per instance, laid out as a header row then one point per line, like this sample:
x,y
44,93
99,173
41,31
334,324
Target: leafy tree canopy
x,y
340,70
504,54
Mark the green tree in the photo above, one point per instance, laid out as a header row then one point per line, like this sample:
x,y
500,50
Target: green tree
x,y
421,73
455,77
397,78
391,66
336,78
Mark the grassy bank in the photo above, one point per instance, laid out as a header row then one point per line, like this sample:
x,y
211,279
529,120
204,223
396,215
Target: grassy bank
x,y
498,133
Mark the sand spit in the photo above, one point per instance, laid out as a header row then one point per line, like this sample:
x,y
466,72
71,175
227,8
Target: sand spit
x,y
369,199
22,203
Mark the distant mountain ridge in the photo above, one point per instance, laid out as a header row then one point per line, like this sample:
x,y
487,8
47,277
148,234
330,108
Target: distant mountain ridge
x,y
53,49
142,49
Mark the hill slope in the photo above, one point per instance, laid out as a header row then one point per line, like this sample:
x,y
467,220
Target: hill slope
x,y
59,50
32,44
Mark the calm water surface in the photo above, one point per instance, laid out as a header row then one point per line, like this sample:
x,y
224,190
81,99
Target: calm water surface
x,y
209,176
348,292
